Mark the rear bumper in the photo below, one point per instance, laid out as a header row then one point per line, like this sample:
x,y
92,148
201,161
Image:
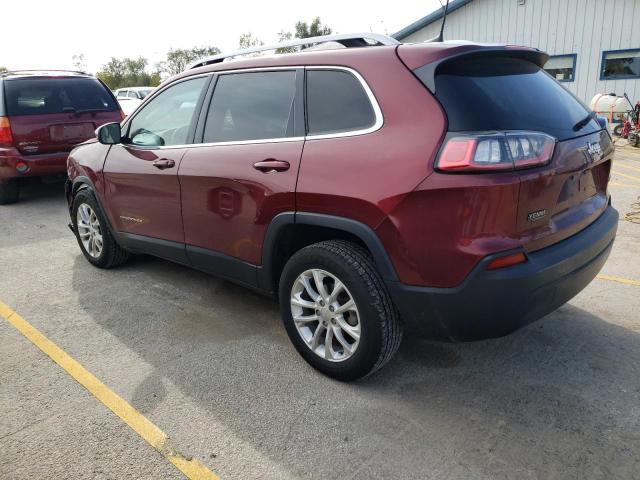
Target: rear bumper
x,y
34,165
493,303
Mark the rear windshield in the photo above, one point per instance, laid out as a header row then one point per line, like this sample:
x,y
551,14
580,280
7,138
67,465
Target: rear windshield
x,y
38,96
484,94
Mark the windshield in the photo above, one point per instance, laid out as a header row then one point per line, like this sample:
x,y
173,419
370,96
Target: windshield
x,y
38,96
509,94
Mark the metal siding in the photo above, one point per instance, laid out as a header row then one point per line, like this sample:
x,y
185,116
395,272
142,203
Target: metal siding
x,y
583,27
483,16
595,54
528,24
508,12
634,85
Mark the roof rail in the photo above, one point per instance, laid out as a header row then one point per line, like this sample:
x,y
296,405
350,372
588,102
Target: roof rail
x,y
346,39
41,70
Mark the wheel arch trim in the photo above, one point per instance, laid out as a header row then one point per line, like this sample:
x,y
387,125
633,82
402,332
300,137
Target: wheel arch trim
x,y
82,182
365,233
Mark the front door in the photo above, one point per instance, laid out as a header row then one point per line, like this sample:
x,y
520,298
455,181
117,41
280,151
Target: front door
x,y
244,172
141,174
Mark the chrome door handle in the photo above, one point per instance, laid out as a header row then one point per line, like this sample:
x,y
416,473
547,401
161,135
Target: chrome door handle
x,y
271,166
164,163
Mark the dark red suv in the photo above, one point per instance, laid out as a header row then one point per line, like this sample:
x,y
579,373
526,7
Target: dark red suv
x,y
454,191
43,114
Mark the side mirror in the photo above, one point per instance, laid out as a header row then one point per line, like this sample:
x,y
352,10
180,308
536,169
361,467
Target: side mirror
x,y
109,134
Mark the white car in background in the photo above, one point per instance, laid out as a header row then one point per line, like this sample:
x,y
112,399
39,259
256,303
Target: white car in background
x,y
129,98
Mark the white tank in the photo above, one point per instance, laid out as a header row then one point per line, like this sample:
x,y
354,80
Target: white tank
x,y
606,104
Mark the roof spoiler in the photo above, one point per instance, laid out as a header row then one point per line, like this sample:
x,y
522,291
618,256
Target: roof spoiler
x,y
427,73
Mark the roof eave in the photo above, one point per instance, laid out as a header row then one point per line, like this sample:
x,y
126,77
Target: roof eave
x,y
429,19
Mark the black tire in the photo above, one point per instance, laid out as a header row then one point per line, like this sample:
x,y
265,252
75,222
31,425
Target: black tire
x,y
617,130
112,254
9,192
381,329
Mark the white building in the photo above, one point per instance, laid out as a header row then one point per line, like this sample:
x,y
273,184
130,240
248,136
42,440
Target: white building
x,y
594,44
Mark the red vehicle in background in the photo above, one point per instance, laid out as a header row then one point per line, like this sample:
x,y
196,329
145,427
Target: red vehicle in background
x,y
425,188
43,114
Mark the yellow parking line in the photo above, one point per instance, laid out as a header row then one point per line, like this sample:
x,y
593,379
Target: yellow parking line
x,y
622,165
155,437
626,176
626,281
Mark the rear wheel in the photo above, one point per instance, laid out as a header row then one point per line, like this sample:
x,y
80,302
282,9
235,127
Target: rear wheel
x,y
9,192
93,234
337,311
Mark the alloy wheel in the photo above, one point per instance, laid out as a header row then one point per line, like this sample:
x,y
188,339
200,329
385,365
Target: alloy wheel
x,y
325,315
89,230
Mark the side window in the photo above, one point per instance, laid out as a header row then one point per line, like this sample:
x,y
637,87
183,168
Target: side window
x,y
122,94
336,102
166,119
251,106
132,94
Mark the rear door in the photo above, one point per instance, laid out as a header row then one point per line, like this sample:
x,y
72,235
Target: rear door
x,y
141,174
556,199
244,172
51,114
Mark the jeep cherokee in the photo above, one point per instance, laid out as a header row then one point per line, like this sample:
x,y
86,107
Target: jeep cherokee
x,y
449,190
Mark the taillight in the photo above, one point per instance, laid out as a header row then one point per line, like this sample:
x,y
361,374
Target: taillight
x,y
466,152
6,138
122,115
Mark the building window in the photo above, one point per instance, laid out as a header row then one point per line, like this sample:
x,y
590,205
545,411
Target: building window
x,y
562,67
619,64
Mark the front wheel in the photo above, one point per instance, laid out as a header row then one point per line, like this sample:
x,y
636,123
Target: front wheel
x,y
337,311
92,232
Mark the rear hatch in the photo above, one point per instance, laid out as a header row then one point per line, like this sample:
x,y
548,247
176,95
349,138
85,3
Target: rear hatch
x,y
563,187
51,114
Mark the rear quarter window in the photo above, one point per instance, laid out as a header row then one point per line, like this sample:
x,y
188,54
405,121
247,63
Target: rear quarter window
x,y
336,102
38,96
485,94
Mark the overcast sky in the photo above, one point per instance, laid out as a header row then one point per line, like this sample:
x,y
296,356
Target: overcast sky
x,y
46,34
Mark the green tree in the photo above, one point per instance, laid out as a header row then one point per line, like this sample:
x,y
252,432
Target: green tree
x,y
128,72
79,62
3,69
179,59
315,29
303,30
247,40
285,37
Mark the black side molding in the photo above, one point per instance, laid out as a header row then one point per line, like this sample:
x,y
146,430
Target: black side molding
x,y
174,251
223,266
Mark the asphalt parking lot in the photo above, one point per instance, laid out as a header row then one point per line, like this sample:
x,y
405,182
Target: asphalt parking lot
x,y
210,364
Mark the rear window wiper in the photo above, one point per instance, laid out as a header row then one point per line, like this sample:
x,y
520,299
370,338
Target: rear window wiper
x,y
582,123
87,110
